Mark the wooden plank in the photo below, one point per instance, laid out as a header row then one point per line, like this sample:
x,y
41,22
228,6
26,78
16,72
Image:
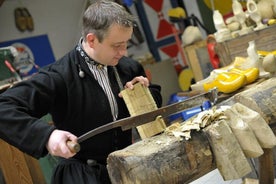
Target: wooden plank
x,y
138,101
13,164
35,170
18,167
194,63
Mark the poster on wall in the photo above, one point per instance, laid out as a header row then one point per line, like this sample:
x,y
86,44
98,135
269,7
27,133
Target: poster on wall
x,y
31,53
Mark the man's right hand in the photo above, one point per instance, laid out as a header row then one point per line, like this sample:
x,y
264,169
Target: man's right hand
x,y
57,143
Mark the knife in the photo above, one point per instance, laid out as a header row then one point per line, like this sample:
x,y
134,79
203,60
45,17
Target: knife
x,y
134,121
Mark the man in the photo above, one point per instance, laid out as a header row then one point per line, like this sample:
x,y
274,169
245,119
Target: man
x,y
81,92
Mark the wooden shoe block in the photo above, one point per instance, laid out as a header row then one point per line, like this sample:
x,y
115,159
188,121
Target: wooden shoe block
x,y
138,101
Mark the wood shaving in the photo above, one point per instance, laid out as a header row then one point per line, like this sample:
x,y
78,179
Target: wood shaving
x,y
159,142
198,122
190,126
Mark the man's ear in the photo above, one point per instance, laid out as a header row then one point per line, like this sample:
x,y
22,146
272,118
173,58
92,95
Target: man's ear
x,y
91,38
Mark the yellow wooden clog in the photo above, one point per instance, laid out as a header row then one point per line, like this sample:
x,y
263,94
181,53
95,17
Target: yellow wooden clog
x,y
226,82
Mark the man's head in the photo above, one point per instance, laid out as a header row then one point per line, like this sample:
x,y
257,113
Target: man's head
x,y
99,17
107,28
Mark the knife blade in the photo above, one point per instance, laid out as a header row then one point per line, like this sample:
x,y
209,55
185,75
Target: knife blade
x,y
134,121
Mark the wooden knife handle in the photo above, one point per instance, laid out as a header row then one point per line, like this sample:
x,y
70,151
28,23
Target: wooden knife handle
x,y
73,146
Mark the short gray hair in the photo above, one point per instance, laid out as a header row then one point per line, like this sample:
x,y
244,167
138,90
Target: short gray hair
x,y
101,14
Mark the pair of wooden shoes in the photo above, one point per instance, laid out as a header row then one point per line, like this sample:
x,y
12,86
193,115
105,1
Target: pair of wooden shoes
x,y
23,19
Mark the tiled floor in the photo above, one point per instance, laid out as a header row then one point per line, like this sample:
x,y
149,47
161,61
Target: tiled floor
x,y
214,177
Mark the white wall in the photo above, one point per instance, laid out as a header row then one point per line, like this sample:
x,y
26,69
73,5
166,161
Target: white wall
x,y
59,19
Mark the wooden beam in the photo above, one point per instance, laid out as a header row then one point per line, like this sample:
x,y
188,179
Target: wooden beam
x,y
162,159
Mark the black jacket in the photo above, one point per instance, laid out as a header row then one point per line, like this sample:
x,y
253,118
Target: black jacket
x,y
76,104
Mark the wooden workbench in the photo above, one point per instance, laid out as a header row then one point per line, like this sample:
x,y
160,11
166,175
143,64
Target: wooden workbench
x,y
166,159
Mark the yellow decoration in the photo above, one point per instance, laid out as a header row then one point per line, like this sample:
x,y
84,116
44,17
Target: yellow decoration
x,y
185,78
177,12
224,6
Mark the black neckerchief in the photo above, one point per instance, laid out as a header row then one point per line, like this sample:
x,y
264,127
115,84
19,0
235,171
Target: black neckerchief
x,y
85,55
91,61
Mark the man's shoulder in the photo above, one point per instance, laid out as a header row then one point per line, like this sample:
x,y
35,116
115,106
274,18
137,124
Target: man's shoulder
x,y
70,55
63,64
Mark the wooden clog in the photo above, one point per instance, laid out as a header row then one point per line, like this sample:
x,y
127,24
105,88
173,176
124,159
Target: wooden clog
x,y
20,20
29,19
